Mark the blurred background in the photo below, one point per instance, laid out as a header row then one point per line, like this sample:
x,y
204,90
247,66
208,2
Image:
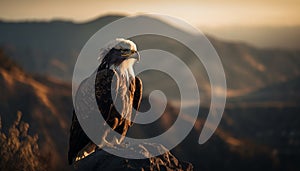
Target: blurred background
x,y
258,43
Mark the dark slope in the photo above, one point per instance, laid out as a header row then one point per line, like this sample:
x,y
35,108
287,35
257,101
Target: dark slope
x,y
44,103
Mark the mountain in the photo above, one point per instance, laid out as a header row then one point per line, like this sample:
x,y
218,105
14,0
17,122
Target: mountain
x,y
286,37
246,68
51,48
260,125
43,101
287,92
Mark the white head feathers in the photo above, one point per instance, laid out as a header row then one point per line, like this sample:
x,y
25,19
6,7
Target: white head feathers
x,y
122,64
118,43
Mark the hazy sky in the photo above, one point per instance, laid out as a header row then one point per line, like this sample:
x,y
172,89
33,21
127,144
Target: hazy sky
x,y
205,12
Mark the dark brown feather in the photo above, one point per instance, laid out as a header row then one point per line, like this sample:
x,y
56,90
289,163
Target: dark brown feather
x,y
103,83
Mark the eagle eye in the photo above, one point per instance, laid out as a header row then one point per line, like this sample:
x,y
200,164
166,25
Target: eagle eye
x,y
125,50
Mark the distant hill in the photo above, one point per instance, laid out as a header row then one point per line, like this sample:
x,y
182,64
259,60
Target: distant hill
x,y
286,92
285,37
51,48
48,47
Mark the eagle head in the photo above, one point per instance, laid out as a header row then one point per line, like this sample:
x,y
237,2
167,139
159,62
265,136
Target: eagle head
x,y
120,54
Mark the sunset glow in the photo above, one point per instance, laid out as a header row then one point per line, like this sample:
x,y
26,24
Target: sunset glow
x,y
207,13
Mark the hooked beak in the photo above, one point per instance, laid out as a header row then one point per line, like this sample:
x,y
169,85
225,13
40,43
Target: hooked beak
x,y
135,55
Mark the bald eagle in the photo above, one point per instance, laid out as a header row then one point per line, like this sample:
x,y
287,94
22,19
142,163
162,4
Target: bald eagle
x,y
116,59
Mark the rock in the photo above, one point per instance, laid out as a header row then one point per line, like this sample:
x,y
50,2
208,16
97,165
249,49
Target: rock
x,y
101,160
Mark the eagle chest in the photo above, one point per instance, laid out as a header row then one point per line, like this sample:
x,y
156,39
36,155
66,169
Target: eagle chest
x,y
112,89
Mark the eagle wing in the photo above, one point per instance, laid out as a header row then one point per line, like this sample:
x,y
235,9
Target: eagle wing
x,y
103,91
138,92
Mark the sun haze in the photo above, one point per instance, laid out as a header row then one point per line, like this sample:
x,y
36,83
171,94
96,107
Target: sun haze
x,y
206,13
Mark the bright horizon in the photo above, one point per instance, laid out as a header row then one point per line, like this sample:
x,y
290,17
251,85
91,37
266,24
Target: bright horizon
x,y
264,24
214,13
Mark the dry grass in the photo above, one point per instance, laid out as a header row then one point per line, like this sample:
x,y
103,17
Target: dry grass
x,y
19,150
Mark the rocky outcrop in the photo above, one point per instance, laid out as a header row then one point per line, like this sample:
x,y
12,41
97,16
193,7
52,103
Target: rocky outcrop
x,y
101,160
